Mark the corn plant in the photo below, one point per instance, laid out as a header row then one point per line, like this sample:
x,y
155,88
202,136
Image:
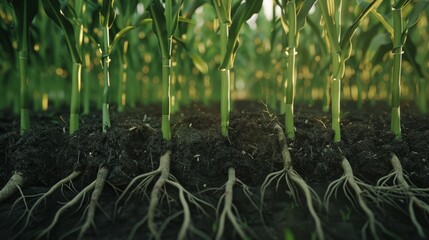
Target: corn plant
x,y
164,25
293,19
25,11
340,50
106,16
398,33
74,38
229,33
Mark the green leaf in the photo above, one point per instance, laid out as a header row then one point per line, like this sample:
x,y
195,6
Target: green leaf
x,y
380,39
303,12
383,20
159,26
413,17
107,13
410,50
243,13
400,4
126,30
25,11
53,10
223,10
174,18
198,62
347,38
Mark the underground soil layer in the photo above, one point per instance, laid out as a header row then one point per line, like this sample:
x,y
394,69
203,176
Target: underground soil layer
x,y
200,159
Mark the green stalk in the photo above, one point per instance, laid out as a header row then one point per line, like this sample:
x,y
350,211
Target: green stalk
x,y
337,62
105,64
76,73
24,93
23,64
166,91
225,82
75,97
395,124
336,96
86,86
289,89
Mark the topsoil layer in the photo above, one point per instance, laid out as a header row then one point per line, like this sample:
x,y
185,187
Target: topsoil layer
x,y
200,159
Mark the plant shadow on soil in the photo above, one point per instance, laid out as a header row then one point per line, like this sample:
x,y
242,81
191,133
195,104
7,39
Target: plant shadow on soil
x,y
200,160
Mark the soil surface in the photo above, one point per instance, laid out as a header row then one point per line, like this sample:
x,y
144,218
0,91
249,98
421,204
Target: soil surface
x,y
200,159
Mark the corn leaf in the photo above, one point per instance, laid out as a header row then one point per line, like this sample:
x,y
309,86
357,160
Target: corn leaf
x,y
53,10
198,62
413,17
346,43
384,22
400,4
159,26
243,13
410,50
107,13
125,31
25,11
223,10
303,11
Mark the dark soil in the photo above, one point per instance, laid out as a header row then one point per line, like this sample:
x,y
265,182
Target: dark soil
x,y
200,160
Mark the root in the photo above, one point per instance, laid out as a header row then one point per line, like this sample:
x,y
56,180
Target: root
x,y
292,178
402,186
147,178
227,208
79,197
98,188
11,187
164,164
59,184
156,195
355,184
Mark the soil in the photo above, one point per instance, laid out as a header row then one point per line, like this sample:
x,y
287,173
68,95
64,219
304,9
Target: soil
x,y
200,159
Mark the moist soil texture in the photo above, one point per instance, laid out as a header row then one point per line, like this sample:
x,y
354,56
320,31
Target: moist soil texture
x,y
200,159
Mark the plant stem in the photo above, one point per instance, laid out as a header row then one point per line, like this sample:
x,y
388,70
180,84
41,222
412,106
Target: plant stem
x,y
106,60
225,82
166,91
24,93
289,88
86,87
75,97
395,124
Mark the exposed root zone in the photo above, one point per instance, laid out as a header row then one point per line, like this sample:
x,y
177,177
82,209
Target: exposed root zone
x,y
98,189
227,208
402,186
56,186
292,177
348,179
155,196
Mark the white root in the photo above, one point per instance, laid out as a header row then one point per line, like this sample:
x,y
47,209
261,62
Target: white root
x,y
227,208
79,197
98,189
348,172
11,187
59,184
167,178
164,164
147,178
292,176
413,199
